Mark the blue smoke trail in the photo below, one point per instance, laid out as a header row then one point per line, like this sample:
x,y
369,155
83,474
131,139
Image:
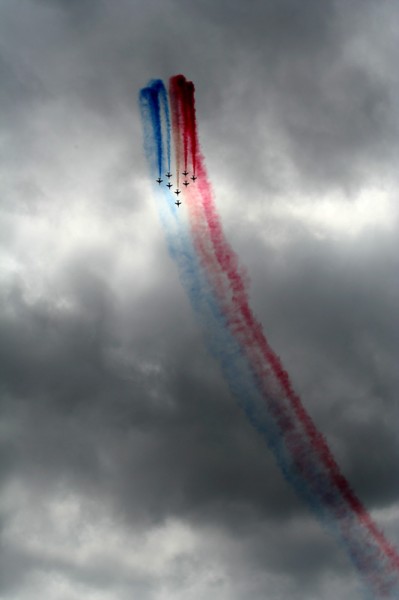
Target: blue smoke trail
x,y
149,104
164,105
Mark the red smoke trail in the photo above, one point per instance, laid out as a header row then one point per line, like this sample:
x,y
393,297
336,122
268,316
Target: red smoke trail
x,y
181,93
176,90
191,123
254,334
228,263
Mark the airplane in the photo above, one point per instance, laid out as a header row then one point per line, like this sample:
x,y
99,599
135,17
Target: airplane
x,y
194,177
169,185
177,192
178,202
168,174
186,183
185,173
159,180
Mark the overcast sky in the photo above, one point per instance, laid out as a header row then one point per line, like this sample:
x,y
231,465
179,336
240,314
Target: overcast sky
x,y
127,470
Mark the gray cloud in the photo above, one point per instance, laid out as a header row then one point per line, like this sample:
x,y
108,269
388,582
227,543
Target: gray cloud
x,y
126,467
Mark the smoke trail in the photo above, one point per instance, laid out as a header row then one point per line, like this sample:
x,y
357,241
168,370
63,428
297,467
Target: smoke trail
x,y
197,286
223,345
164,117
150,110
211,277
191,123
325,489
181,93
176,88
229,263
335,492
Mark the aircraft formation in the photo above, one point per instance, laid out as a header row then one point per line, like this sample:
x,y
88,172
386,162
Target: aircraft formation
x,y
170,185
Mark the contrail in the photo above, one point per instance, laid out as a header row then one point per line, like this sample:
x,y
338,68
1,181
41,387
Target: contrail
x,y
210,273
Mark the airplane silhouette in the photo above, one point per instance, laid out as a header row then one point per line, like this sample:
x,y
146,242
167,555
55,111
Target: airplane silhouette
x,y
169,185
178,202
159,180
185,173
177,192
168,174
186,183
194,177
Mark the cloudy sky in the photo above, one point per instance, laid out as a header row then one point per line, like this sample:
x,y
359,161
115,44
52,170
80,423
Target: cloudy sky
x,y
127,470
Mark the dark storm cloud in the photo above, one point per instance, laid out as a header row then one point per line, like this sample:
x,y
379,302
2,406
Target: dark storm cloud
x,y
167,440
334,109
77,384
154,441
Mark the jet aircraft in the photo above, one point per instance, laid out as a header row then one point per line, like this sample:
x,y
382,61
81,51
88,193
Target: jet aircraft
x,y
168,174
186,183
194,177
169,185
159,180
177,192
185,173
178,202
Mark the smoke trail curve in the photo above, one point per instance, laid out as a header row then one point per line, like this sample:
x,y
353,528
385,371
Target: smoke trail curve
x,y
301,451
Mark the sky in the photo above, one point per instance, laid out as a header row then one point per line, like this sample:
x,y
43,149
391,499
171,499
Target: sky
x,y
127,470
